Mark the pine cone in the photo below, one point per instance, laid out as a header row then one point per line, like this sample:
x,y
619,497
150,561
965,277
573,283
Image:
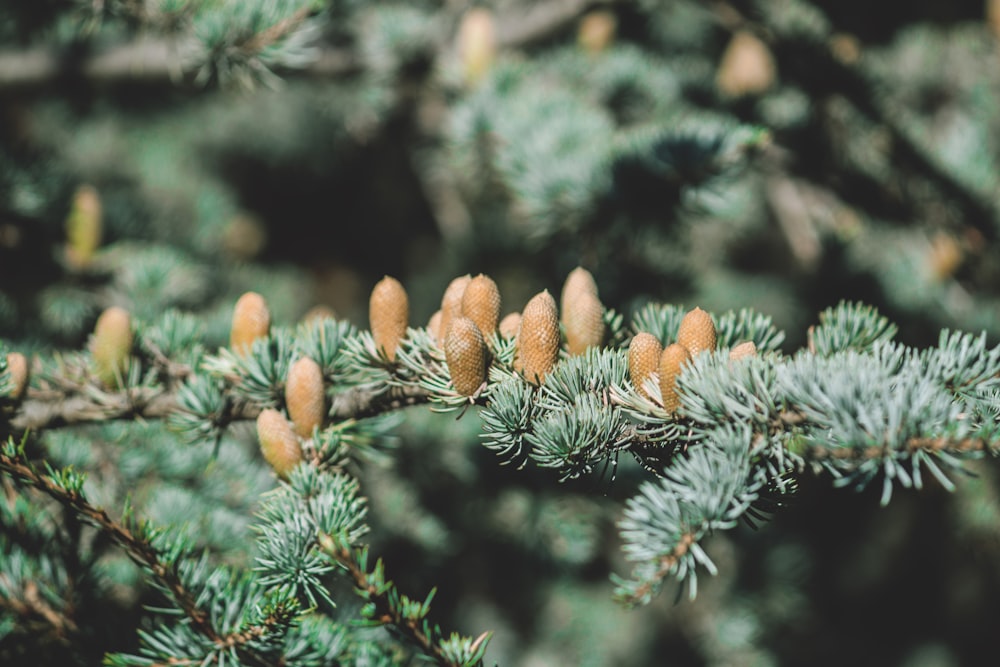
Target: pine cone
x,y
481,304
434,325
510,324
278,442
451,304
537,338
111,345
672,359
643,359
251,320
582,312
476,43
305,396
747,66
17,369
318,313
389,315
743,350
697,332
465,353
83,227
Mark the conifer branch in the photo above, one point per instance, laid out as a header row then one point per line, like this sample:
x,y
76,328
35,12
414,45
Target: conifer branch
x,y
388,608
44,410
66,488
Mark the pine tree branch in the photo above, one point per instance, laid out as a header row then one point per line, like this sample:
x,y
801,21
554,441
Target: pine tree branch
x,y
143,552
385,608
148,61
850,81
50,409
140,550
31,605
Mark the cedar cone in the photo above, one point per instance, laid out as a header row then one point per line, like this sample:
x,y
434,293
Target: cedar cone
x,y
17,368
743,350
451,304
83,227
434,325
388,315
251,320
697,332
672,359
747,66
305,396
537,338
510,324
481,304
111,344
278,442
582,312
465,353
643,359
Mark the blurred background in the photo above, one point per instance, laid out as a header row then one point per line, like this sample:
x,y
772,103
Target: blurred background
x,y
781,155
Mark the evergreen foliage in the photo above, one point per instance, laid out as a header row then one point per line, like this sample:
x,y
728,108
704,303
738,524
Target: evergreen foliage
x,y
820,184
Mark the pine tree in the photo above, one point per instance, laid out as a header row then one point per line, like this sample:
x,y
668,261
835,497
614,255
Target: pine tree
x,y
790,205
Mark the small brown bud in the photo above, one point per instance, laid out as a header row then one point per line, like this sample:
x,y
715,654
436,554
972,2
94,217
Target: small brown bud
x,y
579,281
111,345
510,324
305,396
582,312
17,369
476,43
747,66
743,350
537,338
319,312
83,227
481,304
697,332
643,359
596,31
672,359
451,304
465,353
251,320
388,315
434,325
278,442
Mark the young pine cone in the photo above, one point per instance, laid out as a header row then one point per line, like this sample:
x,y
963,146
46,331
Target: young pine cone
x,y
582,312
697,332
481,304
251,320
305,396
674,356
465,354
510,324
388,315
451,304
537,347
434,325
111,345
743,350
17,369
278,442
643,359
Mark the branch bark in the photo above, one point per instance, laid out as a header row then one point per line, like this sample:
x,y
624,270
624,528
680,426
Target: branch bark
x,y
48,409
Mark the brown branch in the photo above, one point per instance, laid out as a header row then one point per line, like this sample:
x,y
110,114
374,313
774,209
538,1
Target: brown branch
x,y
141,551
385,612
149,60
666,564
52,409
